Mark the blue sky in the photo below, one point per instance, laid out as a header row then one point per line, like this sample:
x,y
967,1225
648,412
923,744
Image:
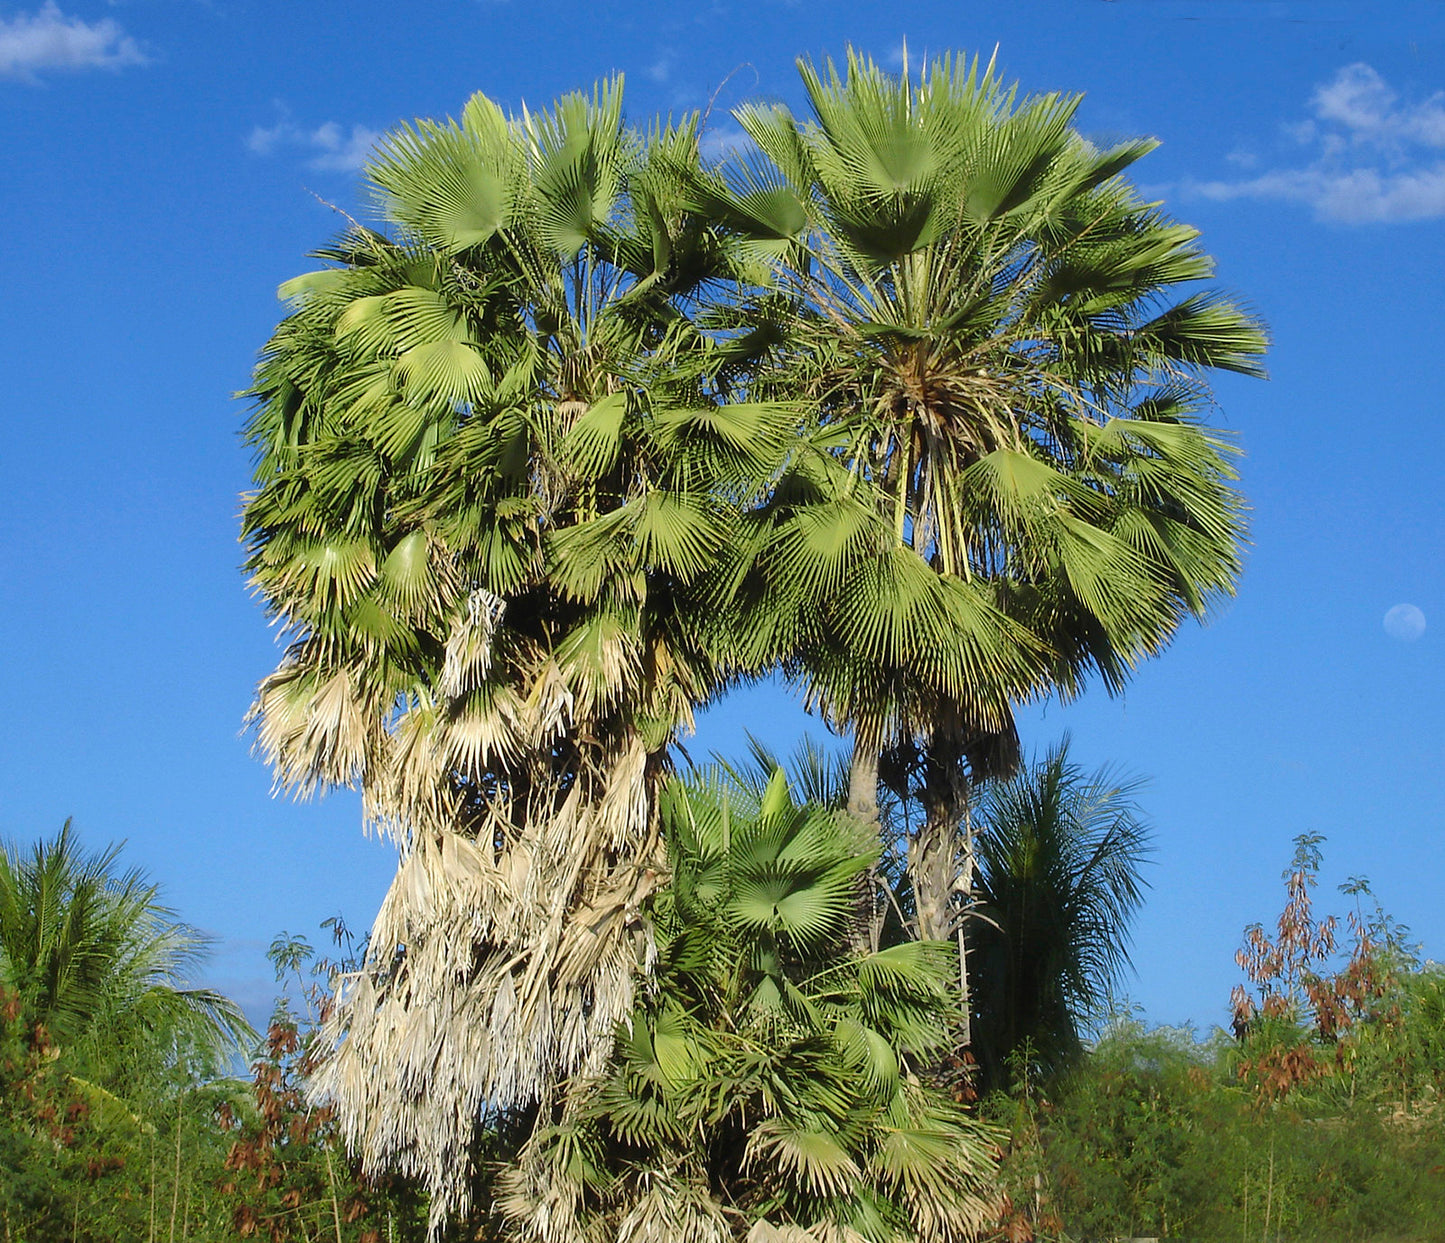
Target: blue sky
x,y
164,165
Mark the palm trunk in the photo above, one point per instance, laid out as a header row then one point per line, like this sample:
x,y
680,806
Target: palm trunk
x,y
863,782
867,929
941,858
965,892
176,1177
934,854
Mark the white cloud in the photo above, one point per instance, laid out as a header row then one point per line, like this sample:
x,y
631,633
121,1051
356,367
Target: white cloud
x,y
1356,196
913,58
47,39
1362,103
331,148
341,152
1371,157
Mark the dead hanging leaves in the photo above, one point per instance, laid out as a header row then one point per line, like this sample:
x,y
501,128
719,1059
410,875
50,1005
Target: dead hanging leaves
x,y
497,961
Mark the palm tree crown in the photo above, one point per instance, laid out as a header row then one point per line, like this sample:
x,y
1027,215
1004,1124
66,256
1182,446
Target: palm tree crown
x,y
497,481
1005,350
100,963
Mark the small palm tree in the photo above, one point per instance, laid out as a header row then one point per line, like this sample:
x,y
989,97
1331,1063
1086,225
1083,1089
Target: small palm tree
x,y
767,1085
1059,853
100,963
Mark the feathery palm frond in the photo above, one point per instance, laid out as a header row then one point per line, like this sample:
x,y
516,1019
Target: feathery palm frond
x,y
1059,853
101,963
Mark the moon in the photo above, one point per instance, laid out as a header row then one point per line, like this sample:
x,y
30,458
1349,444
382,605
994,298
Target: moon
x,y
1404,622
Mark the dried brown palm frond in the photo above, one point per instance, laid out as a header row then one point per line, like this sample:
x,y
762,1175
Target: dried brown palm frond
x,y
495,966
315,725
669,1209
766,1232
549,1195
469,646
504,953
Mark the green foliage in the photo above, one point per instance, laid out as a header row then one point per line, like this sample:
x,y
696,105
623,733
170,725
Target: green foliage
x,y
1059,853
1155,1134
286,1174
499,468
98,961
1138,1137
906,401
1009,484
770,1079
1008,349
111,1069
1399,1055
118,1119
505,401
1320,1119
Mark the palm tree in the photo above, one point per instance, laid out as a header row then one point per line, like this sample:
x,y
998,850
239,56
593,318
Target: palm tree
x,y
1059,853
767,1084
499,466
99,964
532,484
1009,486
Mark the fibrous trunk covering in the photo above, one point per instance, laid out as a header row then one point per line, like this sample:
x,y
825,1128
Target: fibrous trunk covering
x,y
935,853
493,969
504,954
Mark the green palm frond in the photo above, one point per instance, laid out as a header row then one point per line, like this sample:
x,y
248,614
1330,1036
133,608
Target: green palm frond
x,y
100,962
453,186
903,399
1060,852
810,1156
1005,488
770,1081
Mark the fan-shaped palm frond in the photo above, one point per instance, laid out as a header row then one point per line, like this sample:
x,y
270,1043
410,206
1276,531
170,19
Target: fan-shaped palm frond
x,y
1010,487
767,1084
905,401
496,503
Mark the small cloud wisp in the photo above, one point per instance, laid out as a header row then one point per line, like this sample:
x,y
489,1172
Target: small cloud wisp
x,y
332,148
31,43
1374,158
